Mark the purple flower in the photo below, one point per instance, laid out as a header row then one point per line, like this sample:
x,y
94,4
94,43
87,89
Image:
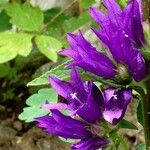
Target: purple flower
x,y
81,97
67,127
61,125
123,52
116,102
90,144
87,57
129,20
121,30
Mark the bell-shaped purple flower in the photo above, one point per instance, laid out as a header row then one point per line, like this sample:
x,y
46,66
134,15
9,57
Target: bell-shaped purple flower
x,y
81,97
121,32
129,20
116,102
61,125
90,144
67,127
87,57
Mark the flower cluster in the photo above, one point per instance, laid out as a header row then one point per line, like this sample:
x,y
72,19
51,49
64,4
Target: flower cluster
x,y
89,109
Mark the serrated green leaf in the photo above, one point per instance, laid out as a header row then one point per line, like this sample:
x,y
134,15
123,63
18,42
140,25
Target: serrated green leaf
x,y
141,147
13,44
24,16
35,102
127,125
59,71
48,46
86,3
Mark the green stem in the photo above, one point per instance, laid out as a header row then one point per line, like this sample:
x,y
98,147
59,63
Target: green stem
x,y
146,115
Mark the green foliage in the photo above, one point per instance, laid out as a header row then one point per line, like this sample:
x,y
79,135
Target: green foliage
x,y
140,113
86,3
7,71
4,21
141,147
68,140
35,103
122,3
9,50
59,71
74,23
24,16
48,46
127,125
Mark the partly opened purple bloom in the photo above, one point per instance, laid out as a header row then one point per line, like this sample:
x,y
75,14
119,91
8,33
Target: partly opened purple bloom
x,y
67,127
87,57
90,144
120,30
116,102
129,20
81,97
61,125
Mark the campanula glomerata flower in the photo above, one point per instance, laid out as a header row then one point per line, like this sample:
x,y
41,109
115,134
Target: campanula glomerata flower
x,y
88,102
67,127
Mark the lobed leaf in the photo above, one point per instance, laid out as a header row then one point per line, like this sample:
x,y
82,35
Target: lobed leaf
x,y
35,103
48,46
13,44
25,16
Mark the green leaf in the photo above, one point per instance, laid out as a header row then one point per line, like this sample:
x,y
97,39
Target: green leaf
x,y
2,4
4,21
35,103
59,71
126,124
43,95
74,23
7,71
140,113
68,140
29,113
86,3
48,46
141,147
24,16
13,44
122,3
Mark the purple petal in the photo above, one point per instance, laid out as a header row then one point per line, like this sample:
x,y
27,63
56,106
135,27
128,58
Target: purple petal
x,y
61,125
97,63
91,144
133,23
58,106
90,110
116,102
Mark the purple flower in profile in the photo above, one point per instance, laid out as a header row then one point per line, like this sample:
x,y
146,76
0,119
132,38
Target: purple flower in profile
x,y
61,125
116,102
129,20
81,97
67,127
87,57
